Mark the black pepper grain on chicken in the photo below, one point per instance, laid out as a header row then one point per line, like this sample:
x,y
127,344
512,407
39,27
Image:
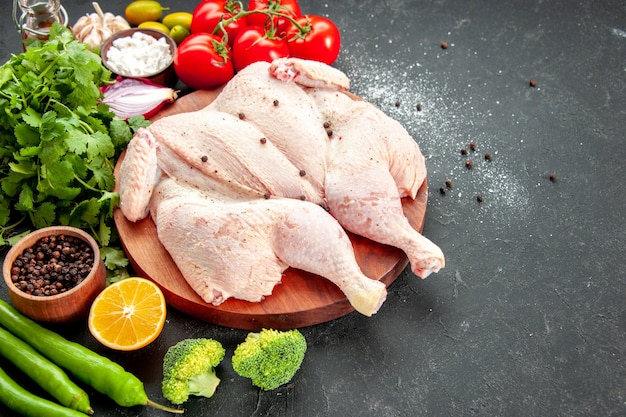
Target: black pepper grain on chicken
x,y
254,184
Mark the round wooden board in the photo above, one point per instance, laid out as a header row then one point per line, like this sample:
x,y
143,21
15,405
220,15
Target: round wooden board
x,y
302,299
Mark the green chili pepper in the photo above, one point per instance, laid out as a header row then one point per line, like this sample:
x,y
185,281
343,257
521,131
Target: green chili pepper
x,y
97,371
21,401
45,373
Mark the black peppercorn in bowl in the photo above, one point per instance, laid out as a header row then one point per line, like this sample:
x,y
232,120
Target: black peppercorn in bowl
x,y
53,274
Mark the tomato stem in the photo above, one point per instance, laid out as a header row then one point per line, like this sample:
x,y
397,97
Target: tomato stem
x,y
237,12
221,49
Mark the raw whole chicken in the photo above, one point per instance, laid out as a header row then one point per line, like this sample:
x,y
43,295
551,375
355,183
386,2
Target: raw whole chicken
x,y
253,184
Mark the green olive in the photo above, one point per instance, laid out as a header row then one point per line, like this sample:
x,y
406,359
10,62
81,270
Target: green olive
x,y
156,26
178,18
140,11
179,33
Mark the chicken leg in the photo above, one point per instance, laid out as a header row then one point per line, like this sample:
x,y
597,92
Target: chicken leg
x,y
239,248
373,162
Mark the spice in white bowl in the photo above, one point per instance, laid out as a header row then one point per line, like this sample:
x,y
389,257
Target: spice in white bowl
x,y
138,55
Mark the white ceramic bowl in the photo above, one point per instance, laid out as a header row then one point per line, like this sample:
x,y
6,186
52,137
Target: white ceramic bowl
x,y
165,76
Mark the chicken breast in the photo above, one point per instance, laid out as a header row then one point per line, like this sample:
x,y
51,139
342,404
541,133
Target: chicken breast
x,y
284,113
210,150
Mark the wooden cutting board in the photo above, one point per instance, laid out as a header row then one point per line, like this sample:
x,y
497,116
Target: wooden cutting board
x,y
302,299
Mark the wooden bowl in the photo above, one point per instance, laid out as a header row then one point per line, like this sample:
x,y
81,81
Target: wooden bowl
x,y
165,76
66,307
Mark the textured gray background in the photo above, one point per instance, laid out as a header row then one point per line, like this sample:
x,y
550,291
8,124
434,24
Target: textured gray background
x,y
529,316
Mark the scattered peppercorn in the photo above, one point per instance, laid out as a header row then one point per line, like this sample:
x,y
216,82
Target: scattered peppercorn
x,y
302,173
329,132
204,158
53,265
303,197
552,177
263,141
275,103
488,156
266,196
442,190
479,198
449,183
326,125
397,103
463,151
444,45
418,106
532,83
468,164
242,116
472,145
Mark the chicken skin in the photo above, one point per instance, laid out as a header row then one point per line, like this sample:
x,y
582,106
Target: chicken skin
x,y
246,244
271,175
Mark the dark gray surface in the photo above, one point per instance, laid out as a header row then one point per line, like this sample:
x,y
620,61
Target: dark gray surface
x,y
529,316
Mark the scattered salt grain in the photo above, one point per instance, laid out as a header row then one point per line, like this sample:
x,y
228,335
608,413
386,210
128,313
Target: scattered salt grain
x,y
138,55
441,129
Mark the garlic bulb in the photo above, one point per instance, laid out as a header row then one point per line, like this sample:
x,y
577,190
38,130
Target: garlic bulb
x,y
92,29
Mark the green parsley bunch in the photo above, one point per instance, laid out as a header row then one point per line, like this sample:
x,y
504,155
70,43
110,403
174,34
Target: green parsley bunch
x,y
58,143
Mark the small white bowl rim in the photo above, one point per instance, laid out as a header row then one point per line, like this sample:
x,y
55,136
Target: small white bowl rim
x,y
128,32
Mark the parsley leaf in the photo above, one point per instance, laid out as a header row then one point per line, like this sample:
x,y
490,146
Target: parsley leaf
x,y
58,143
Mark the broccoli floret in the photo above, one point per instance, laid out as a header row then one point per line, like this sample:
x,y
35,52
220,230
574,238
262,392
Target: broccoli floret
x,y
189,369
270,358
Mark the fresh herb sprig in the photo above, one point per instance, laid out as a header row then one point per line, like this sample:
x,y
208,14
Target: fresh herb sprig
x,y
58,143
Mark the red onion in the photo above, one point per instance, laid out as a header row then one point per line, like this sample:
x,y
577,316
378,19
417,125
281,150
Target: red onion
x,y
128,97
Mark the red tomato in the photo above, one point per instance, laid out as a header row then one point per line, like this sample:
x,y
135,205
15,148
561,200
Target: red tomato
x,y
208,14
321,42
253,45
201,61
288,7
